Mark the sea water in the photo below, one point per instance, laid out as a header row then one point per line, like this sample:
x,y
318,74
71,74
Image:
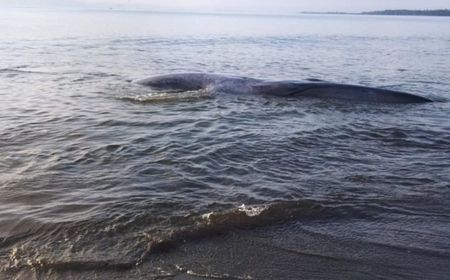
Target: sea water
x,y
101,177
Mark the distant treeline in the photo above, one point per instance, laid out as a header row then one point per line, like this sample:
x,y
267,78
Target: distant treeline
x,y
442,13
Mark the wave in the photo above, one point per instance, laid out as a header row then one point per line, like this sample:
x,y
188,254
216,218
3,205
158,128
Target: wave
x,y
183,229
211,275
82,76
157,97
200,226
142,245
18,70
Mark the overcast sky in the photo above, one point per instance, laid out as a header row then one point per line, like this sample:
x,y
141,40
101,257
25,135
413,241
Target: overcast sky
x,y
257,6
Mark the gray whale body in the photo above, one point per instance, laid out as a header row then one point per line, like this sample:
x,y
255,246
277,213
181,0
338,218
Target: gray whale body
x,y
308,88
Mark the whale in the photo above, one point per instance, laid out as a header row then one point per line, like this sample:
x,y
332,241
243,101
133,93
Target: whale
x,y
314,88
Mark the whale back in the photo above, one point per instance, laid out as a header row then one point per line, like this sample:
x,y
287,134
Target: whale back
x,y
282,88
179,82
308,88
322,89
358,93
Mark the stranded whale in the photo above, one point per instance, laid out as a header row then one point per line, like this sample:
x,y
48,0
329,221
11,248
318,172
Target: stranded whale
x,y
308,88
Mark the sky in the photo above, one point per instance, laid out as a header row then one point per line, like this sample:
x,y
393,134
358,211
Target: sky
x,y
245,6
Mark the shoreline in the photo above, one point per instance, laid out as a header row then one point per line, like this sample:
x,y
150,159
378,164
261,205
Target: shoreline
x,y
399,13
415,13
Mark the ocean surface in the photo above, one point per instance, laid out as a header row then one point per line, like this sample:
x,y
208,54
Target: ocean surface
x,y
101,178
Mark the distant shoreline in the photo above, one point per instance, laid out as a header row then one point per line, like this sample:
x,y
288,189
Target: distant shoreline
x,y
436,13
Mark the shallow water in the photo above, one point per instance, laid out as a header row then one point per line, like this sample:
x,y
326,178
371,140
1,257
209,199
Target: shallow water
x,y
98,173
